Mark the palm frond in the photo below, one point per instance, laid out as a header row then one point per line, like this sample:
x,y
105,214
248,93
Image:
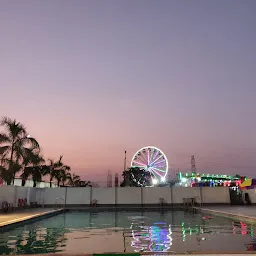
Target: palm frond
x,y
6,162
31,157
13,128
4,138
4,150
60,160
5,174
26,173
51,161
66,168
6,121
32,142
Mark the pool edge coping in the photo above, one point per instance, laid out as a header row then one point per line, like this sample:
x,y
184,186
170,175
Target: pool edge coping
x,y
228,215
33,217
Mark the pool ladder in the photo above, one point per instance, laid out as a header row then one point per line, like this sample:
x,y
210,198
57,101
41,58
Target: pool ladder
x,y
59,203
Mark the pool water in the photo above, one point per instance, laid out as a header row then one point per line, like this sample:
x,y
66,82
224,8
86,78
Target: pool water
x,y
124,231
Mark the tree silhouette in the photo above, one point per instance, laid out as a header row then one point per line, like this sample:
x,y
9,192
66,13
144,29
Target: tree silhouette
x,y
136,177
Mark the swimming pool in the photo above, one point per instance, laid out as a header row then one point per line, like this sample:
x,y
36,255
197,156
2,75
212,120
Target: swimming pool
x,y
128,231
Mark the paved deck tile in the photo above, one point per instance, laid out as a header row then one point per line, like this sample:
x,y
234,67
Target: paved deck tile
x,y
244,212
21,215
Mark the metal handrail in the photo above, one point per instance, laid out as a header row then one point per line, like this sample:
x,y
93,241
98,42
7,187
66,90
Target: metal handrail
x,y
58,203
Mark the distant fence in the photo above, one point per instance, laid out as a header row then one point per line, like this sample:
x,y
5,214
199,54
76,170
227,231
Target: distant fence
x,y
116,196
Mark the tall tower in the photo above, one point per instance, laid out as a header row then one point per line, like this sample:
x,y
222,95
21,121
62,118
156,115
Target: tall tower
x,y
193,165
109,179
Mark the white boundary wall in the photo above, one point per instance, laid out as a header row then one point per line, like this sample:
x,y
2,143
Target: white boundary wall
x,y
7,193
128,195
180,193
76,196
220,195
12,194
152,195
119,196
104,195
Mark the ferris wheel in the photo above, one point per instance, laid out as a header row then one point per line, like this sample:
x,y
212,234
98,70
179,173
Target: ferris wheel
x,y
151,159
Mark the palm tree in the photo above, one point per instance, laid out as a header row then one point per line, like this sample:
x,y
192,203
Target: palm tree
x,y
15,145
5,174
73,180
57,170
84,183
64,175
35,168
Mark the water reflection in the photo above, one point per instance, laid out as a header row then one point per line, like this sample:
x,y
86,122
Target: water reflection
x,y
128,231
156,238
35,241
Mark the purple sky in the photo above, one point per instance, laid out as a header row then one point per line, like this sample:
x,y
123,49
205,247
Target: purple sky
x,y
90,79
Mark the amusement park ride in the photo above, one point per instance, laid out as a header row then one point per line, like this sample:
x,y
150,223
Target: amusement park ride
x,y
153,160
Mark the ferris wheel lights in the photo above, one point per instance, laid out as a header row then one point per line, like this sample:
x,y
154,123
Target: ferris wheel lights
x,y
163,179
153,160
154,181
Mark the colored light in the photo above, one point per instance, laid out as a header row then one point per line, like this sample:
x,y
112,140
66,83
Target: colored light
x,y
141,164
158,169
154,171
150,159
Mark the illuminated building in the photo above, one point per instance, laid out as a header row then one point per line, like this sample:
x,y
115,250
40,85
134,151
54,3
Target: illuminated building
x,y
208,180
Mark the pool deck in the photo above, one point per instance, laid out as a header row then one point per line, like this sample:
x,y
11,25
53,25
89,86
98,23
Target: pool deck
x,y
247,213
8,219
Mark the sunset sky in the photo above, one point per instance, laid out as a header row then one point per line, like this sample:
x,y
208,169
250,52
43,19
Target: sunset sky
x,y
90,79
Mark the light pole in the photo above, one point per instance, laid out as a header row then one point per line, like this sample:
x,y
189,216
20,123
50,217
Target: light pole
x,y
125,160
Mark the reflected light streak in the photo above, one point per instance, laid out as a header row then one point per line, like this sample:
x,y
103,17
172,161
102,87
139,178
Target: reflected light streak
x,y
156,238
